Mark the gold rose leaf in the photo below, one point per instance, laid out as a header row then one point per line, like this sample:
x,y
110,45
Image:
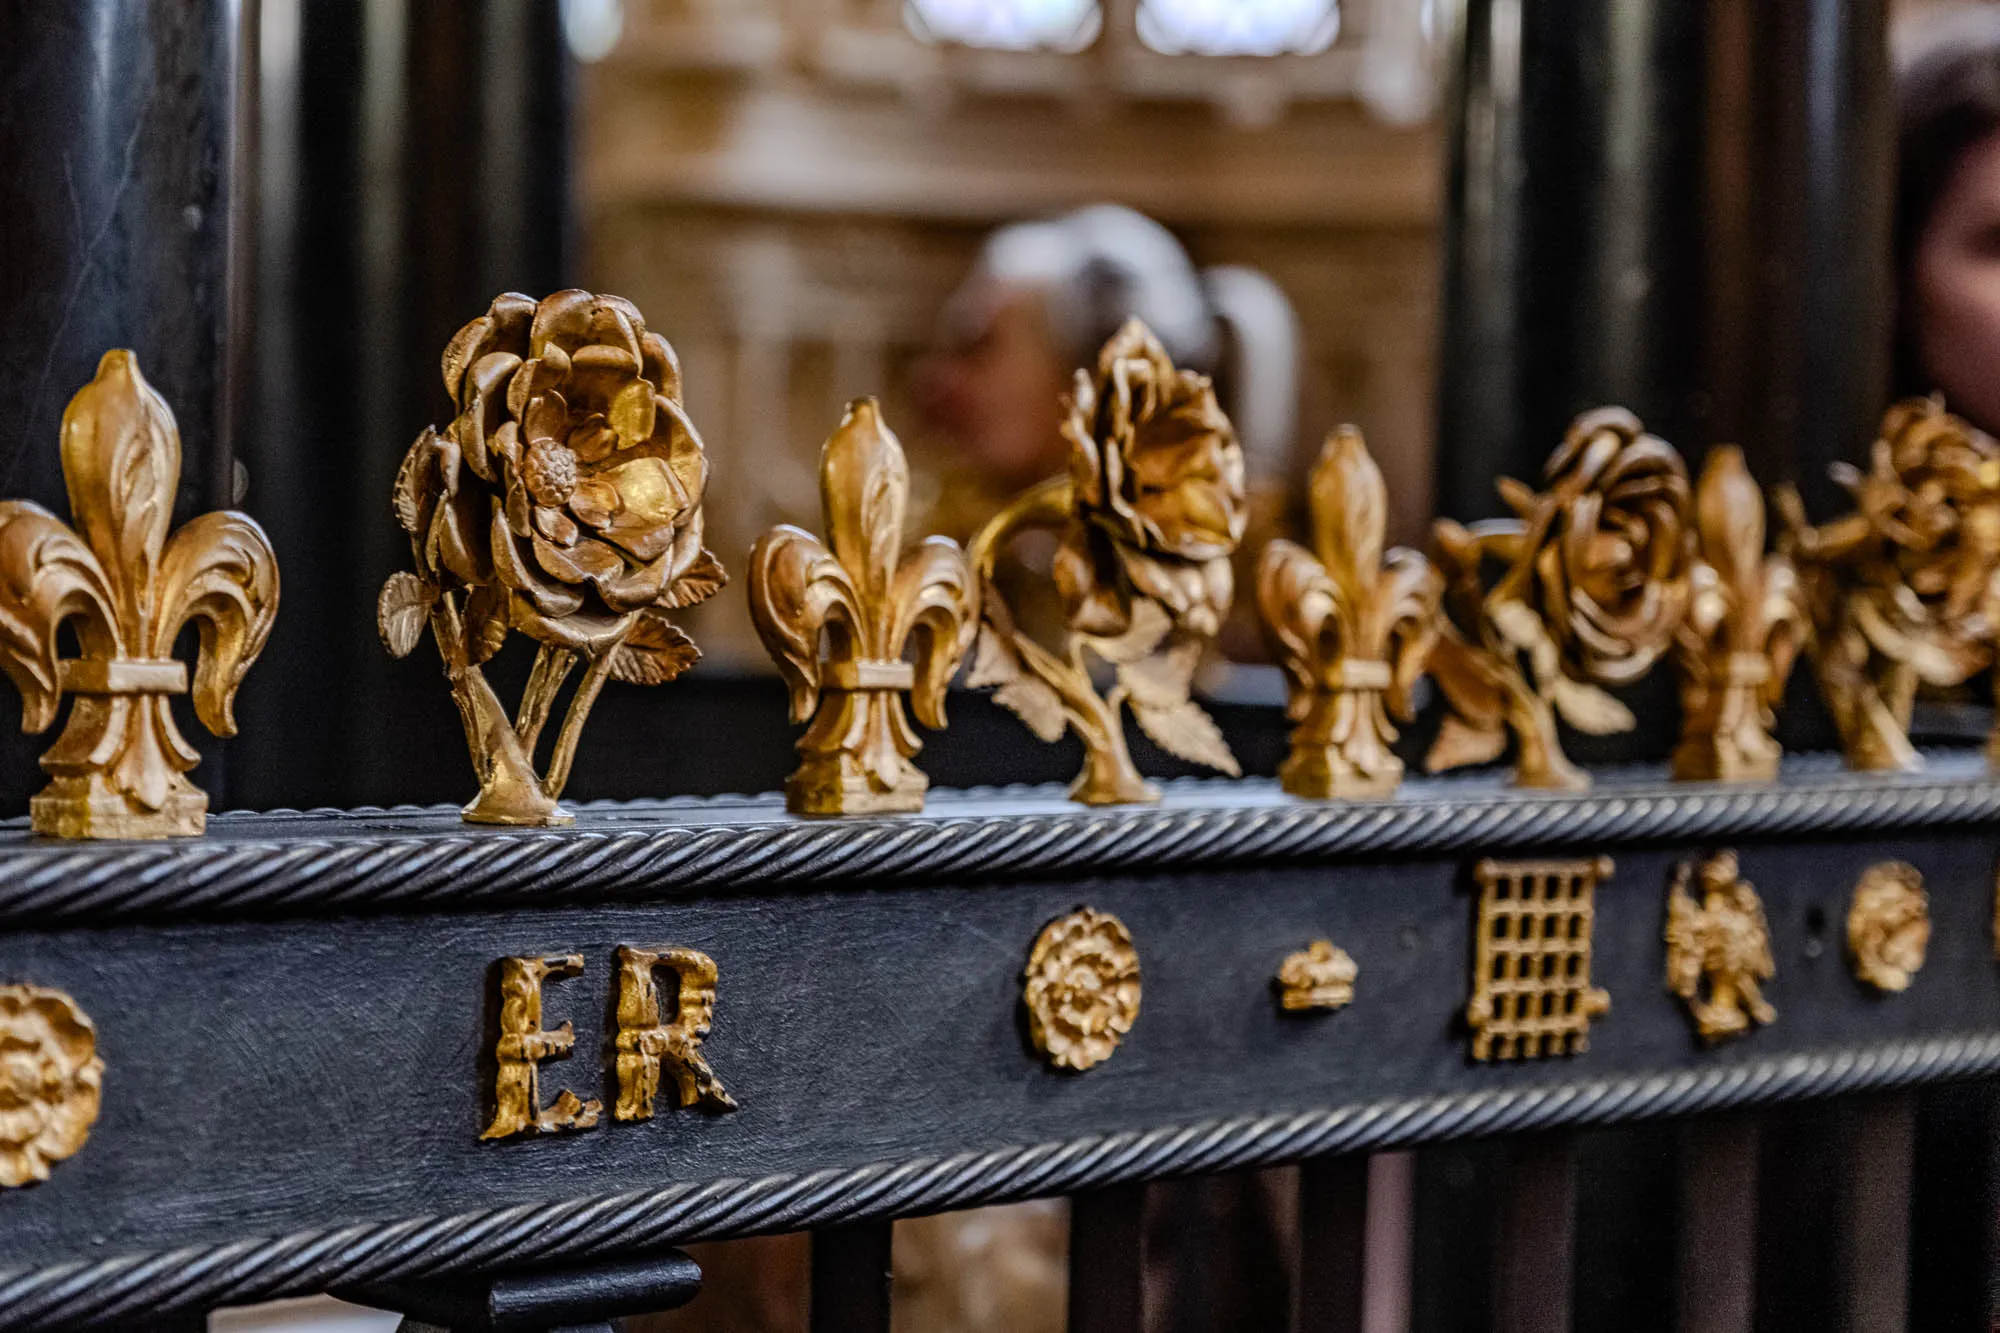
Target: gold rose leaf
x,y
1588,708
653,653
402,611
1157,688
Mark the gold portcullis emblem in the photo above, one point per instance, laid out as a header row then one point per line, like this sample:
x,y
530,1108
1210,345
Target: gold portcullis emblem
x,y
1718,948
119,770
1889,925
868,600
1352,627
1531,991
51,1080
1150,512
1320,976
563,501
1082,988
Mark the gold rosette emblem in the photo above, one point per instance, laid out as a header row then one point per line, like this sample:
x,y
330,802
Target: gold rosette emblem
x,y
50,1080
1082,988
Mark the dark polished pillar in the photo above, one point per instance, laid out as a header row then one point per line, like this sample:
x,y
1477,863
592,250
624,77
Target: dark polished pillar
x,y
115,229
1678,205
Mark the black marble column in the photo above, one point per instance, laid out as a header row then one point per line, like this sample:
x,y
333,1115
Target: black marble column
x,y
115,229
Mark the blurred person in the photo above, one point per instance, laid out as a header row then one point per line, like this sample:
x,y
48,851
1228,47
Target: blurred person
x,y
1039,302
1947,252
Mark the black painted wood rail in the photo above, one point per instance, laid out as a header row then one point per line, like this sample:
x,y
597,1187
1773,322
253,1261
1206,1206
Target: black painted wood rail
x,y
297,1018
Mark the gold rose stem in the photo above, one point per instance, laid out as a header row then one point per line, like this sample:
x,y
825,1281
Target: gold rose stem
x,y
1109,776
572,727
551,670
508,790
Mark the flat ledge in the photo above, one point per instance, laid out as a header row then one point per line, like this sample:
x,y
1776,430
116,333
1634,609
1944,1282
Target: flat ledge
x,y
299,862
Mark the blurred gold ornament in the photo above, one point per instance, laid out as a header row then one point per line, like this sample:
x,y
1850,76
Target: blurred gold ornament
x,y
119,768
1082,988
1592,585
564,501
1150,512
1745,623
869,602
1889,925
1321,976
1904,591
1719,941
1352,628
51,1081
1531,991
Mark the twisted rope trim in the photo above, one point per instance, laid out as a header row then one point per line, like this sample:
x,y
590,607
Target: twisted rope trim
x,y
400,859
200,1277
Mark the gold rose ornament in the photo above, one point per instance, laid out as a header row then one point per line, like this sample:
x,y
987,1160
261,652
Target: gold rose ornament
x,y
1905,591
126,588
1351,625
51,1079
1889,925
1082,988
867,601
1584,587
563,501
1150,511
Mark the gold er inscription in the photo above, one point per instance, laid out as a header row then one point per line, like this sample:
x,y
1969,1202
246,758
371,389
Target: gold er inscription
x,y
1531,991
645,1044
524,1044
1719,941
50,1081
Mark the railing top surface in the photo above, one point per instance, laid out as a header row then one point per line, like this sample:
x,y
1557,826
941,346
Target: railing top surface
x,y
288,862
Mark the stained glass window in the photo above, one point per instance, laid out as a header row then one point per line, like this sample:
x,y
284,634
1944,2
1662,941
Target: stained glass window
x,y
1007,25
1239,27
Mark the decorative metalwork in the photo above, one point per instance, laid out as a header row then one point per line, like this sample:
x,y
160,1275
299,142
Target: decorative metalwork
x,y
1719,948
1592,585
1531,991
1320,976
645,1044
1082,988
868,601
1745,624
1150,512
1905,591
524,1044
119,770
563,501
1352,628
51,1081
1889,925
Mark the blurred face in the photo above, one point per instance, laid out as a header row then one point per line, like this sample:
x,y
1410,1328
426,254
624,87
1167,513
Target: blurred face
x,y
995,391
1956,280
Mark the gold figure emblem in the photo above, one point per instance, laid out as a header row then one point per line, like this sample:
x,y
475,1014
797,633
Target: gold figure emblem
x,y
1889,925
524,1044
119,770
869,601
1150,512
1719,942
645,1043
564,501
1744,626
1082,988
1903,590
1531,991
1320,976
1592,583
51,1081
1352,628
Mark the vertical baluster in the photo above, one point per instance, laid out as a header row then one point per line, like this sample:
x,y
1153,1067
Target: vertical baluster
x,y
1955,1208
1333,1235
1537,1233
850,1278
1107,1260
1715,1263
1878,1140
1391,1243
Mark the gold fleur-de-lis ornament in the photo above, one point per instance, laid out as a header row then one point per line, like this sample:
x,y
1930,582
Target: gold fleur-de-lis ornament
x,y
1352,628
868,601
119,769
1746,620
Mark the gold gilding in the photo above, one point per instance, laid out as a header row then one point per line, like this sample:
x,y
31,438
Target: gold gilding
x,y
524,1044
1531,991
1320,976
1082,988
51,1081
646,1045
1889,925
1719,948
